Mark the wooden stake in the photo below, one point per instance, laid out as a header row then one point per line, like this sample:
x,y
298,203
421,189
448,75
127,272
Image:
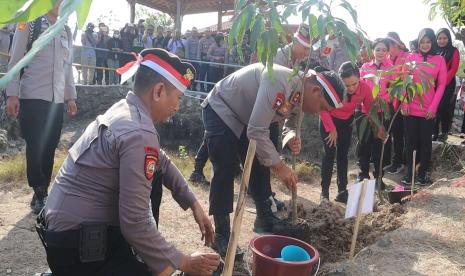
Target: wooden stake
x,y
413,172
358,218
294,196
236,229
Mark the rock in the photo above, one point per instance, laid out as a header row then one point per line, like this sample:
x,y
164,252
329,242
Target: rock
x,y
386,242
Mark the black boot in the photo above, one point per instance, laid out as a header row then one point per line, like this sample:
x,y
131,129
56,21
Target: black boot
x,y
265,220
342,197
222,234
279,204
41,199
198,177
33,201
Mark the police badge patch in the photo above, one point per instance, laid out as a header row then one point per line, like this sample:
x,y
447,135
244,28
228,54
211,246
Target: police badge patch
x,y
295,98
279,101
151,159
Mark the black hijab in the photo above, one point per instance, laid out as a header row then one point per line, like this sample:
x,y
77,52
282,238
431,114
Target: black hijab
x,y
428,32
448,50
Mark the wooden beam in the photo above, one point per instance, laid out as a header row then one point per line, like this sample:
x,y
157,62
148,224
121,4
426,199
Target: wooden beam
x,y
132,9
178,21
220,16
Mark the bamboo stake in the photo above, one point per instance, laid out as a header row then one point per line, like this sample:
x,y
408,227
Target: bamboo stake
x,y
413,172
358,218
237,222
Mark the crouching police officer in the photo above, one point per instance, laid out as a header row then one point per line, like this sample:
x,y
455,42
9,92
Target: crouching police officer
x,y
241,107
99,207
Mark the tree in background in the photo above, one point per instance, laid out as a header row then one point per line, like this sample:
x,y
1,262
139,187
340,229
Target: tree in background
x,y
153,17
453,12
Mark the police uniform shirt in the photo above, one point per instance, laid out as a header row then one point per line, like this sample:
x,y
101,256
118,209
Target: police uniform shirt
x,y
49,75
283,57
249,97
106,179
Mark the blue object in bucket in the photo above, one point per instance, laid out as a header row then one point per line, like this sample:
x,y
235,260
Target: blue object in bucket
x,y
294,253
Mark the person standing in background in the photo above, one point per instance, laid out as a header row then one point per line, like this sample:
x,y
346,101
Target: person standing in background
x,y
204,44
159,41
176,46
419,115
115,45
148,38
128,34
4,47
38,96
167,39
398,55
101,53
446,106
218,52
88,56
192,48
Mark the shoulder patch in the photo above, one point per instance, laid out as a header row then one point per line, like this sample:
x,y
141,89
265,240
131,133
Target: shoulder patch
x,y
151,160
21,26
295,97
279,101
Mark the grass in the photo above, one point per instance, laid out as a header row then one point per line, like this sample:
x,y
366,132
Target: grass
x,y
13,169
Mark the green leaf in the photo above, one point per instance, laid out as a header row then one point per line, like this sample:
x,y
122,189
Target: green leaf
x,y
290,9
67,8
82,12
313,26
257,30
239,4
29,13
375,91
322,30
9,8
385,108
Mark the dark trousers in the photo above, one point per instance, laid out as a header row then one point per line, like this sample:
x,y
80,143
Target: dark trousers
x,y
419,131
370,149
344,137
201,157
398,137
119,261
202,76
215,74
40,122
156,195
463,123
225,150
445,112
101,62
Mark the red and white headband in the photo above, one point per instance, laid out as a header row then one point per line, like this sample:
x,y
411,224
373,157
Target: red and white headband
x,y
327,87
302,40
160,66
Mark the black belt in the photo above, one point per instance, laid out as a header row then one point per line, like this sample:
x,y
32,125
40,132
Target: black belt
x,y
71,238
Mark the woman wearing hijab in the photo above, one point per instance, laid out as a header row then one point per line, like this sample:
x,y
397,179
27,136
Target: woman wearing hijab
x,y
447,104
336,130
369,145
419,115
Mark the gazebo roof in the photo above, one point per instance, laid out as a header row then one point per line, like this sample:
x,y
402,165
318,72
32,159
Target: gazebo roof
x,y
187,6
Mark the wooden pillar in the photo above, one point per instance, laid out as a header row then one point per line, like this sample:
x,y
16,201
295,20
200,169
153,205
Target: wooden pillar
x,y
178,21
132,8
220,16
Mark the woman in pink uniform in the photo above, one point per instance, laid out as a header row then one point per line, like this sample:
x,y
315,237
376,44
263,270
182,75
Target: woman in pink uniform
x,y
419,118
336,130
370,145
446,107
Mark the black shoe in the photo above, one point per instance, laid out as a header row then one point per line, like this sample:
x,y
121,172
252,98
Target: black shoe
x,y
443,137
279,204
406,180
41,199
265,220
221,247
198,177
362,176
434,137
421,180
394,168
342,197
33,201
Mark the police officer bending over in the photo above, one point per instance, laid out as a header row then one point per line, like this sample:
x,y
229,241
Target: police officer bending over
x,y
99,206
241,107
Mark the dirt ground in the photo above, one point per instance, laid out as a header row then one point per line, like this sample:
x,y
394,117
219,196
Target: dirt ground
x,y
426,237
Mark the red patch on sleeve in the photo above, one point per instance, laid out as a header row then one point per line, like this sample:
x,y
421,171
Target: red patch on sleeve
x,y
151,160
279,101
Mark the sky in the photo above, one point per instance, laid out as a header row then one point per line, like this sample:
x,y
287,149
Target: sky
x,y
377,17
